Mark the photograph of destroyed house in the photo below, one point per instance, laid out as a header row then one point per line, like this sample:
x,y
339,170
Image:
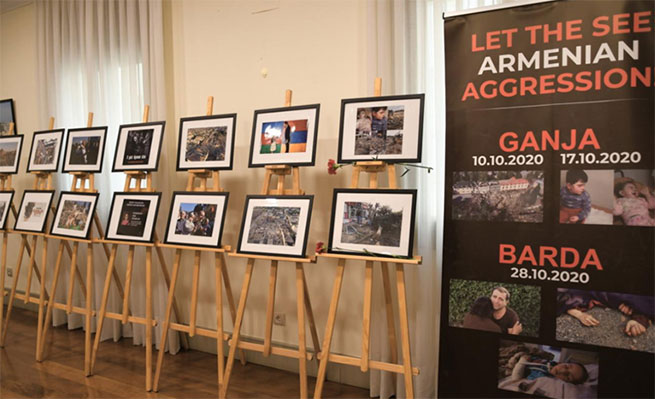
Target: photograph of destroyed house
x,y
10,147
386,128
46,146
284,136
74,214
196,218
33,210
5,204
138,146
84,149
7,116
206,142
498,196
372,221
275,225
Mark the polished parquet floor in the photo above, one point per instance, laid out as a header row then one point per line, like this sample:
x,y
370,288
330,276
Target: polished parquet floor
x,y
120,367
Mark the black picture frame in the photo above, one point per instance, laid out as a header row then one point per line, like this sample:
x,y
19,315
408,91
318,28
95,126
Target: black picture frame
x,y
231,135
7,104
12,169
35,136
67,167
46,210
111,231
246,228
118,165
376,195
220,217
342,157
89,221
253,162
4,213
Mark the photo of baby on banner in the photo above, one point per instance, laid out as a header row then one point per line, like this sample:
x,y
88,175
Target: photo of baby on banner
x,y
495,307
611,319
548,371
634,198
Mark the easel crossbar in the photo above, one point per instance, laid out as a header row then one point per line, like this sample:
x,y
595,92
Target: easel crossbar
x,y
373,364
130,319
276,350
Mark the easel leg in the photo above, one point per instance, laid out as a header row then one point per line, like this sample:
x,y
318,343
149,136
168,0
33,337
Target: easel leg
x,y
302,347
219,265
53,292
103,306
3,271
310,317
234,342
88,310
12,295
39,326
391,324
167,319
128,284
329,329
148,318
232,306
366,324
404,330
28,286
194,292
270,308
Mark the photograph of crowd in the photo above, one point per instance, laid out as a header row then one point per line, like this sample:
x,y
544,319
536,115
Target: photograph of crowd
x,y
8,152
547,371
137,147
85,150
284,137
610,319
634,197
496,307
46,151
134,214
74,215
205,144
379,130
498,196
371,223
274,225
196,219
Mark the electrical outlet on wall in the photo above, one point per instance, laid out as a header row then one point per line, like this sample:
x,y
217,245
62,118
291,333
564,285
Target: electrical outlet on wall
x,y
279,319
10,272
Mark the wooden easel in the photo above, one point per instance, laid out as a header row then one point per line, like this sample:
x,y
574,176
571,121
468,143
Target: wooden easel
x,y
124,317
5,185
303,300
42,181
373,168
221,277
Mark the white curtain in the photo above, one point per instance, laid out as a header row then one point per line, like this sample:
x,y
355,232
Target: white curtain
x,y
105,57
408,53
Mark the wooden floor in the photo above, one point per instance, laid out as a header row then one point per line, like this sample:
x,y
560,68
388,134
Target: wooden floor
x,y
120,368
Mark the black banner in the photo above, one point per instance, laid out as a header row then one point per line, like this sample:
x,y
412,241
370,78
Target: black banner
x,y
549,273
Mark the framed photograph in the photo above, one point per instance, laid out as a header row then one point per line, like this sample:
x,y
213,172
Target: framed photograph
x,y
276,225
33,211
206,142
284,136
138,146
74,214
196,219
7,116
389,129
377,222
46,147
10,147
132,216
5,204
85,149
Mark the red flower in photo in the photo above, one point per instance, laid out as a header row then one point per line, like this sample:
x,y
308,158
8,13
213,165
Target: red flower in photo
x,y
333,166
320,247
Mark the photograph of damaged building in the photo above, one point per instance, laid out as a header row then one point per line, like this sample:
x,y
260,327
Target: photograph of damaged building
x,y
273,225
371,224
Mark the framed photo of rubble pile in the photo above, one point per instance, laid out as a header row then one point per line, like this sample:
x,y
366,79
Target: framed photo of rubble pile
x,y
206,142
85,149
74,214
284,136
275,225
132,216
46,148
138,146
10,148
388,129
373,222
33,211
196,219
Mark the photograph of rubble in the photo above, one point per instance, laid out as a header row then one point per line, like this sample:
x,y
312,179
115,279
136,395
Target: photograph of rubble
x,y
276,225
385,128
196,218
10,147
498,196
372,222
74,214
33,211
284,136
206,142
138,146
46,147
